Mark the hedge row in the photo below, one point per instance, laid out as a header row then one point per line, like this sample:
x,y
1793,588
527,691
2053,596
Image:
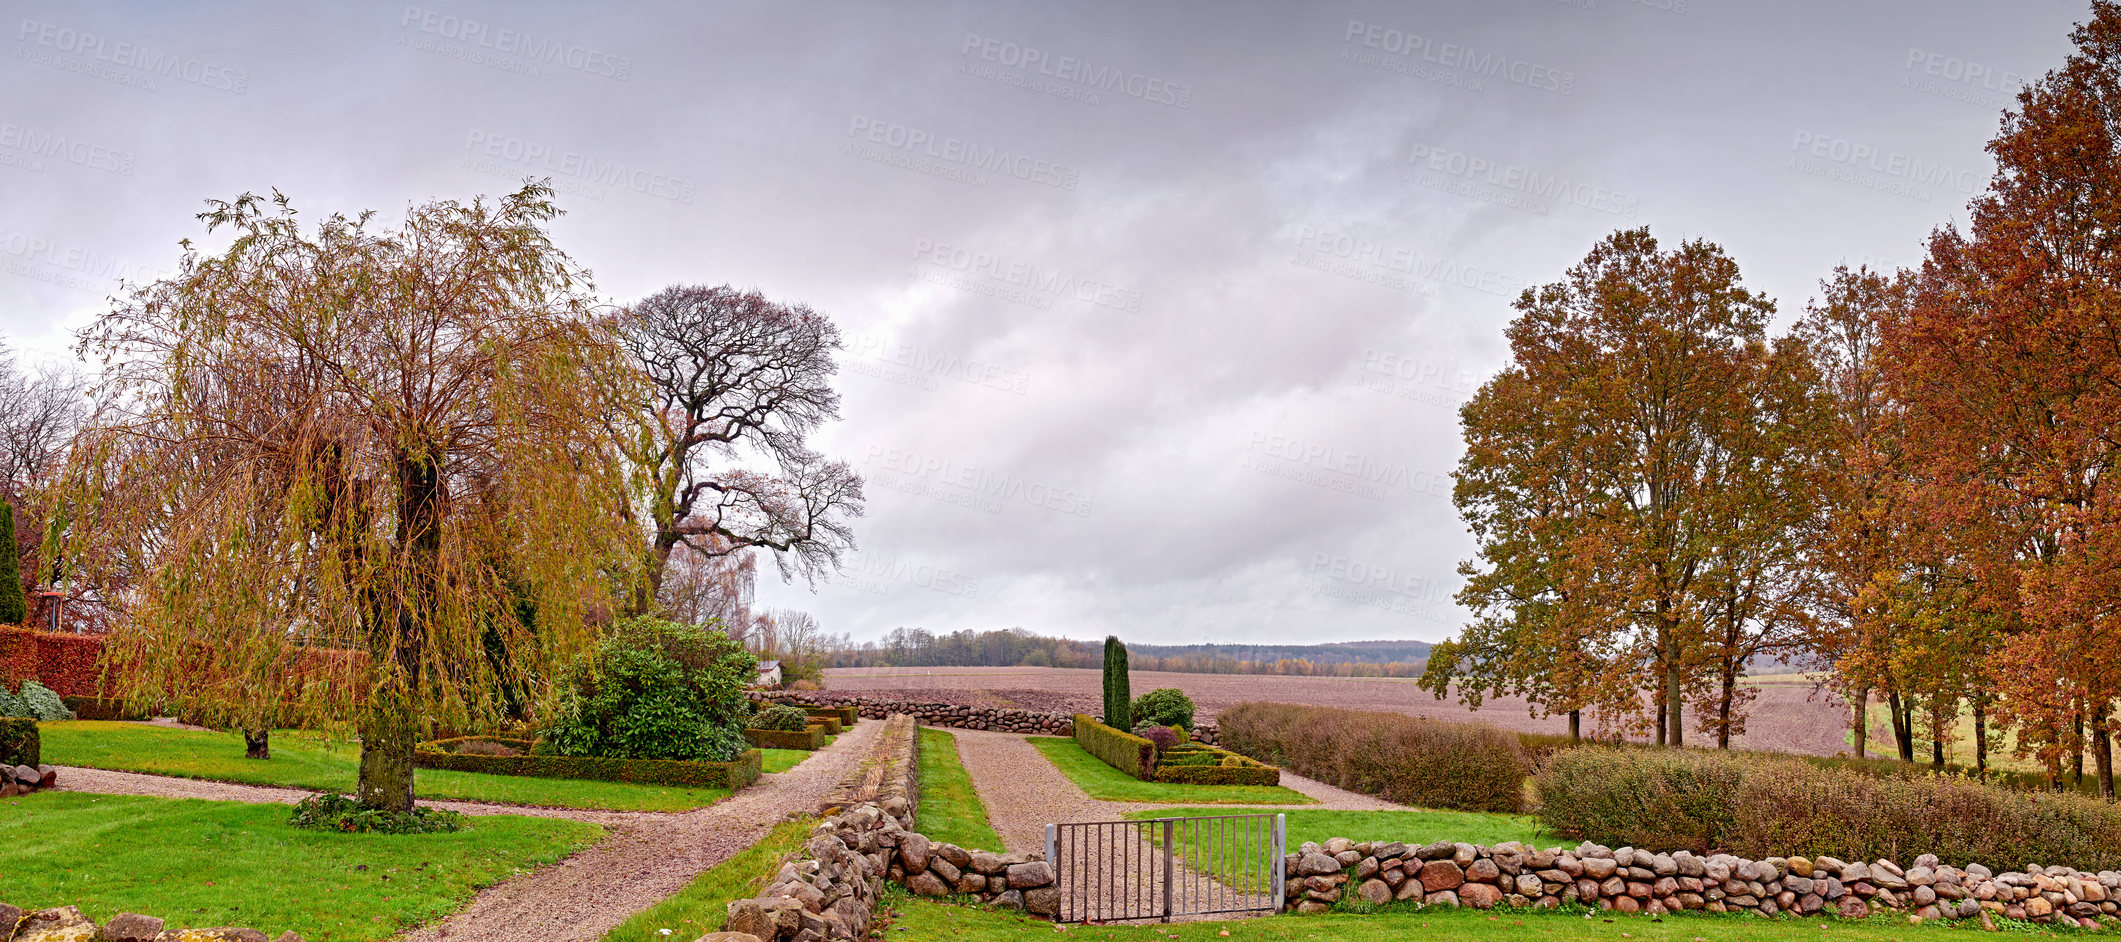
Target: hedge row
x,y
1410,760
808,739
1121,750
832,724
730,775
1758,805
848,713
64,662
1206,765
19,742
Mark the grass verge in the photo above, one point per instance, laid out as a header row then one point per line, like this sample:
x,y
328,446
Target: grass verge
x,y
1105,783
703,905
219,863
917,918
302,759
950,808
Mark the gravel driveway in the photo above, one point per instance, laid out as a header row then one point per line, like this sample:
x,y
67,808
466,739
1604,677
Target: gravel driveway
x,y
646,857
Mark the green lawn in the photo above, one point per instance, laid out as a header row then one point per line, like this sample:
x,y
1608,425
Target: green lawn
x,y
950,809
927,919
218,863
1105,783
307,760
703,905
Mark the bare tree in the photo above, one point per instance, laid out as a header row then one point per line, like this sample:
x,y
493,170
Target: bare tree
x,y
733,375
699,588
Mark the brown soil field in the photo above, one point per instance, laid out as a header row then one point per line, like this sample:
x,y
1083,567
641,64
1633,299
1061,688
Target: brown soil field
x,y
1788,716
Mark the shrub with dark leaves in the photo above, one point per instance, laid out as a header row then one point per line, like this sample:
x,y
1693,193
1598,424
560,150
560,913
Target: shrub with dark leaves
x,y
335,812
1162,736
784,718
656,689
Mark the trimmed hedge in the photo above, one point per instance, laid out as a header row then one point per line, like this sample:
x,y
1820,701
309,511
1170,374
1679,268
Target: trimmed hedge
x,y
1758,806
1206,765
1121,750
64,662
1410,760
832,724
808,739
848,713
19,743
100,708
730,775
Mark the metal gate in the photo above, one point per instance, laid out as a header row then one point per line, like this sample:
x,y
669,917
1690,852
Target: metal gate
x,y
1160,868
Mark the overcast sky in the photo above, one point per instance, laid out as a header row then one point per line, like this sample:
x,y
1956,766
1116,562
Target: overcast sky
x,y
1158,314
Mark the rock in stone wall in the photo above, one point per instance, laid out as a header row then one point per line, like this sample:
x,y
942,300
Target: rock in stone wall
x,y
1639,881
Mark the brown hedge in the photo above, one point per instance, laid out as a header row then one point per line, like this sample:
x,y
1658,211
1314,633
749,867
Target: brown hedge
x,y
1121,750
19,742
1758,806
1410,760
810,738
730,775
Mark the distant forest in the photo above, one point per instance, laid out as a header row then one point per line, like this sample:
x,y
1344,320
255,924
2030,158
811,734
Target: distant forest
x,y
1015,647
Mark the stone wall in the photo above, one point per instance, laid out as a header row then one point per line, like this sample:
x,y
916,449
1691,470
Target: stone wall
x,y
67,922
955,716
1637,881
830,889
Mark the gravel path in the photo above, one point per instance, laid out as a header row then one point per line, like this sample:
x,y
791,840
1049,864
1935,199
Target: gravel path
x,y
1023,792
646,857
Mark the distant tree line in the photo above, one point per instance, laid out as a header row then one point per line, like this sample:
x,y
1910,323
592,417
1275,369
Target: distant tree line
x,y
1016,647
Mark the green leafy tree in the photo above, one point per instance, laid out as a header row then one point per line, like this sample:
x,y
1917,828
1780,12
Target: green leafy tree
x,y
1118,691
1167,706
14,608
655,690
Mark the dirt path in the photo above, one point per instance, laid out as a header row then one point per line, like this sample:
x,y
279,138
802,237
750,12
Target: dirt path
x,y
646,857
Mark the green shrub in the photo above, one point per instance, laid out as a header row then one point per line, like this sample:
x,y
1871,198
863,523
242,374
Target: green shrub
x,y
807,739
1126,752
655,689
335,812
19,741
34,701
1167,706
1760,806
1414,761
1119,692
784,718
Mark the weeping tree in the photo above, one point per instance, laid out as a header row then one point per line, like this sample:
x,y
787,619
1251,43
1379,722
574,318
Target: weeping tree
x,y
330,466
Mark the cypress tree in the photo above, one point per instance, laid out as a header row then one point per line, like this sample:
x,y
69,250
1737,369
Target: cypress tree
x,y
1119,694
14,608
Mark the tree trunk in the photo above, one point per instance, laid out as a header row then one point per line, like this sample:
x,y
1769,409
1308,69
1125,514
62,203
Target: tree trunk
x,y
1861,720
257,744
1937,735
1903,725
2103,749
1723,705
1981,736
2076,750
1576,726
390,723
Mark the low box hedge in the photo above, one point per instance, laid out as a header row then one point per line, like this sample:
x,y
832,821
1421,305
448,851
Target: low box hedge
x,y
832,723
730,775
808,739
1119,749
1200,764
848,713
19,743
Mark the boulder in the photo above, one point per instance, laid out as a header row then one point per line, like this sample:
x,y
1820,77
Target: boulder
x,y
131,927
1374,892
728,937
1483,870
1024,876
1599,868
764,917
59,924
986,862
1008,899
1317,863
926,883
1479,895
1043,901
1440,875
942,867
958,856
913,849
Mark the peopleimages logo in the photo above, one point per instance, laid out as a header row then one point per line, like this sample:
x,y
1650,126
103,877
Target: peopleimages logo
x,y
1075,73
1539,189
1459,58
539,157
991,486
517,43
50,146
137,65
1038,281
958,152
1891,164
